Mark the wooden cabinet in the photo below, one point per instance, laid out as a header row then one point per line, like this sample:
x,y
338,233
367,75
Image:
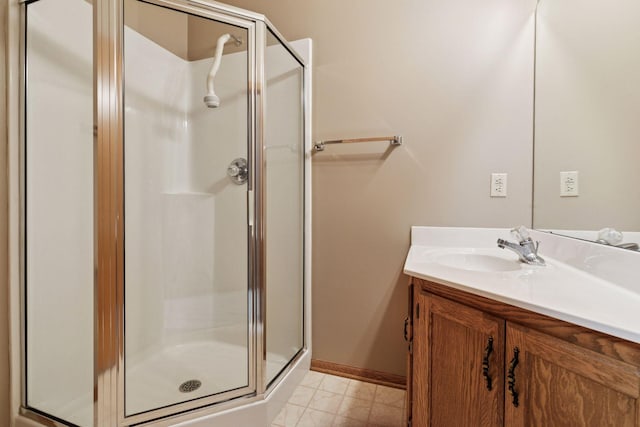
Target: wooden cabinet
x,y
477,362
557,383
452,344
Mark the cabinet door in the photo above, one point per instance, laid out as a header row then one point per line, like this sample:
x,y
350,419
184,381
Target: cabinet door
x,y
556,383
458,365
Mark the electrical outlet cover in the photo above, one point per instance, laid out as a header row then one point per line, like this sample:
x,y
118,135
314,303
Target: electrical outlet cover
x,y
569,184
498,185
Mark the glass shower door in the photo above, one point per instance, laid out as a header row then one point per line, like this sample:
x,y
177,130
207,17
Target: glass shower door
x,y
284,187
58,208
186,217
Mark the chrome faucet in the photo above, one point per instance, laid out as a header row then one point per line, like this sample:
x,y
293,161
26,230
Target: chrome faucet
x,y
612,237
526,248
631,246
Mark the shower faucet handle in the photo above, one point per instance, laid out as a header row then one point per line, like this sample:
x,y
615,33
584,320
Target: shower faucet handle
x,y
238,171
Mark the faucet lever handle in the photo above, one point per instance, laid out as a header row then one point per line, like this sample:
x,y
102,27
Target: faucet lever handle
x,y
520,233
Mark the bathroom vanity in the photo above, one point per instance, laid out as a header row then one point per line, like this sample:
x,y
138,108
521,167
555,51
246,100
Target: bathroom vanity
x,y
493,342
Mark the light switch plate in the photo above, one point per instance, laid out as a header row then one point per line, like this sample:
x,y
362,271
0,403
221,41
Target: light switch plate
x,y
498,185
569,184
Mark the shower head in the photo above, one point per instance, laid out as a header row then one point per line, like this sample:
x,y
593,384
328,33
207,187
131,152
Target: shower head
x,y
212,100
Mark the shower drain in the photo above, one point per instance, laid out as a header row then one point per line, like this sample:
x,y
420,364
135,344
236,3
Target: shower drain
x,y
189,386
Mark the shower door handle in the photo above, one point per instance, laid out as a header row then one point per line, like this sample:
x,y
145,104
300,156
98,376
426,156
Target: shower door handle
x,y
238,171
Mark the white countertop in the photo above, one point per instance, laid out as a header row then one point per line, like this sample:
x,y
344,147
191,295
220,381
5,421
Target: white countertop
x,y
584,283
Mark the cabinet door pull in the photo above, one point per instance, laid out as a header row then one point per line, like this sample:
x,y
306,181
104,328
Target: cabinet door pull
x,y
511,376
485,363
406,329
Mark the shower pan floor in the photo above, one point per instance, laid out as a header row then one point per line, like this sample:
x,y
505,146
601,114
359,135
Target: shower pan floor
x,y
155,381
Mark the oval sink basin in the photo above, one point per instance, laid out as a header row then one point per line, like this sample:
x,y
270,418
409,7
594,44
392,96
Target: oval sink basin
x,y
478,262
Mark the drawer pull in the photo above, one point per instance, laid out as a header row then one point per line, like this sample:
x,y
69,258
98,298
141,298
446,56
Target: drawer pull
x,y
511,377
485,363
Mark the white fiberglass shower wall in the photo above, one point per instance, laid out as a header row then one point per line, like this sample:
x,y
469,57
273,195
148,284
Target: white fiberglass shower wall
x,y
212,310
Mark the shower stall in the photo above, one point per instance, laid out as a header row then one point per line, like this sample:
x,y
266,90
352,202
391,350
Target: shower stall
x,y
164,250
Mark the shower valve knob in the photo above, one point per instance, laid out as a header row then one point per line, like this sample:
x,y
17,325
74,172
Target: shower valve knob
x,y
238,171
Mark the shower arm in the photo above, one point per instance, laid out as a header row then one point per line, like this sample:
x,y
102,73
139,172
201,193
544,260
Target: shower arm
x,y
222,40
211,99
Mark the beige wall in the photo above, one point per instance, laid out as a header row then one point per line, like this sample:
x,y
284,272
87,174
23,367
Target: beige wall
x,y
203,36
455,79
187,36
167,28
4,274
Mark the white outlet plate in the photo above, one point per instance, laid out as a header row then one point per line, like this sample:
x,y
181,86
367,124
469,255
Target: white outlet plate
x,y
569,184
498,185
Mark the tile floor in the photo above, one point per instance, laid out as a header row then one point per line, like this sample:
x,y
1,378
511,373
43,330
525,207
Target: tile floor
x,y
326,401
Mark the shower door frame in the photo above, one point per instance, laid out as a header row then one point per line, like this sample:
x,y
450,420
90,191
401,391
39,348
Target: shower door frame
x,y
109,351
113,25
108,71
